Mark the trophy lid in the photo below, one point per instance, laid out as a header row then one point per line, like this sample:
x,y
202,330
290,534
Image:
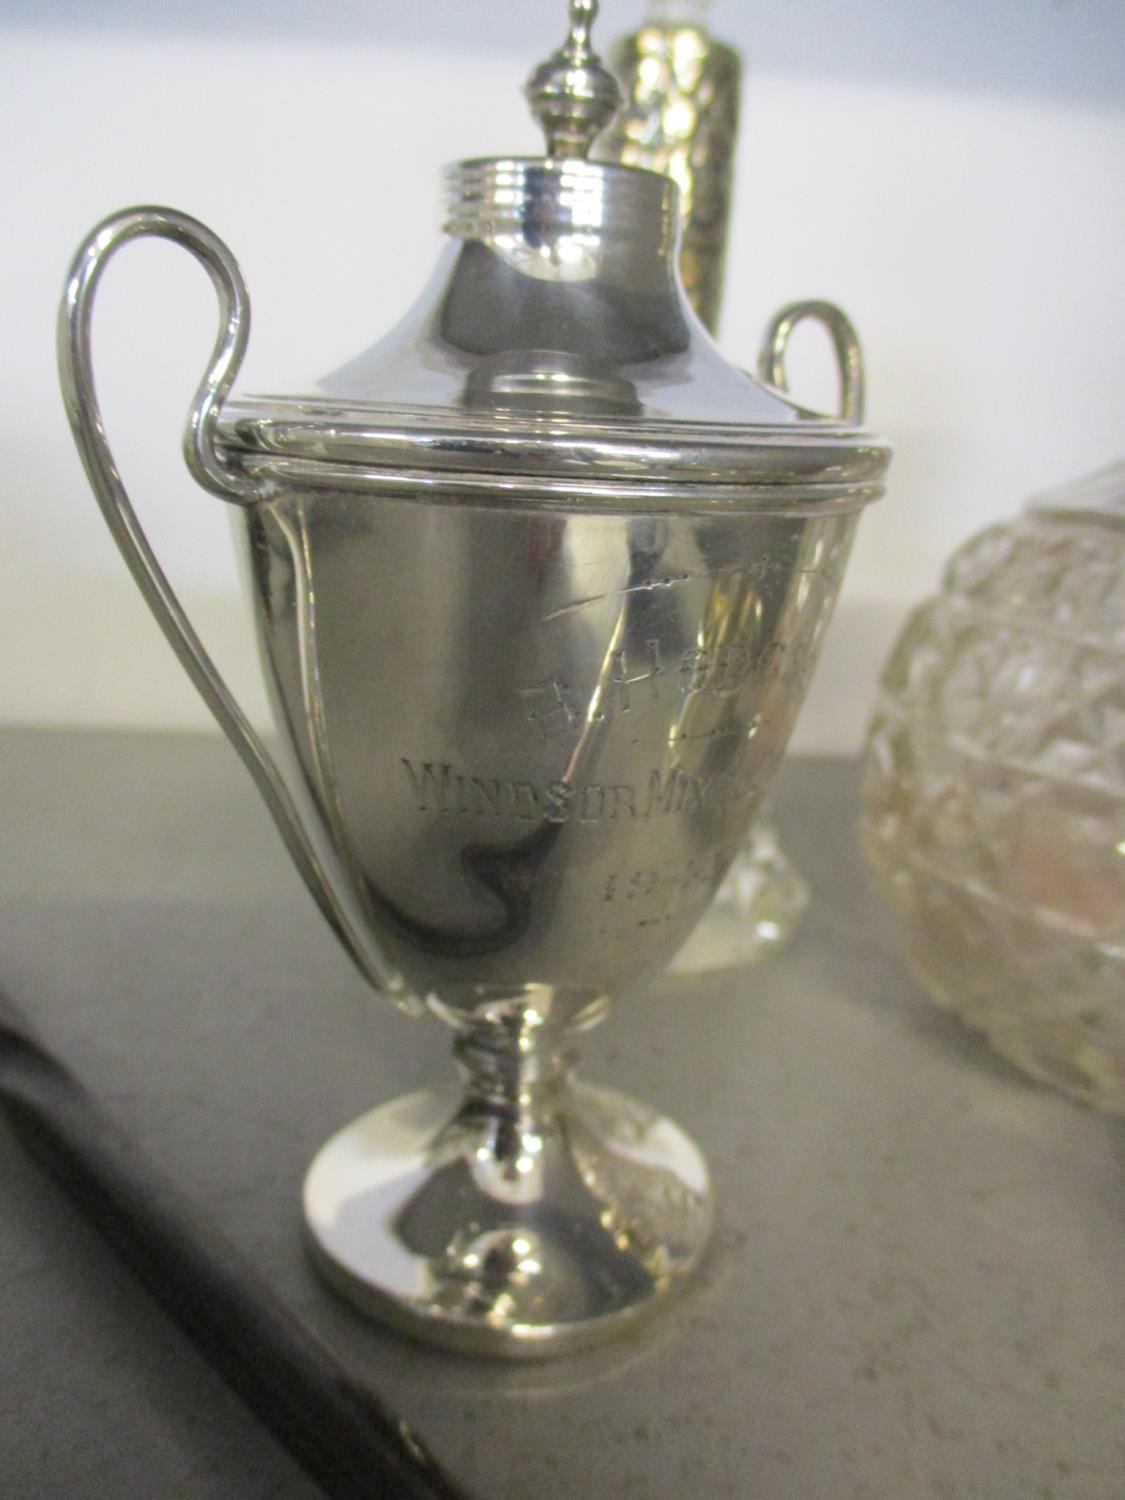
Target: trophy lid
x,y
554,349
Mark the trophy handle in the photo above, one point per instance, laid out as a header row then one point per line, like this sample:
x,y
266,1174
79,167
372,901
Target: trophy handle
x,y
845,341
214,474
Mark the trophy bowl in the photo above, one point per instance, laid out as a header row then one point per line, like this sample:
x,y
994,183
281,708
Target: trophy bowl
x,y
538,584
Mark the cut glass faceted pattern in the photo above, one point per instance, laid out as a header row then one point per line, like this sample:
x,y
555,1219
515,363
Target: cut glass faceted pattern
x,y
994,788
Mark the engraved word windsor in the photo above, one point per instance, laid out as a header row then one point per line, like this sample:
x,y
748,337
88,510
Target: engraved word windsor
x,y
539,581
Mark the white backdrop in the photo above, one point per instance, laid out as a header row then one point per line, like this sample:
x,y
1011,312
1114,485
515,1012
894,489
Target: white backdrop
x,y
950,171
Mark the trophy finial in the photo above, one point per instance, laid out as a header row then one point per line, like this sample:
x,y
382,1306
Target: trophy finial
x,y
572,95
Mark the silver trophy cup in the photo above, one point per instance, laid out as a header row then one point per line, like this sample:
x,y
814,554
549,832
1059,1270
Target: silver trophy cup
x,y
539,582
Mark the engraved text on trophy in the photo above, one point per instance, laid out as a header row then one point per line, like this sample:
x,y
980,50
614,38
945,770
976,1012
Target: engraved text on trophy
x,y
446,790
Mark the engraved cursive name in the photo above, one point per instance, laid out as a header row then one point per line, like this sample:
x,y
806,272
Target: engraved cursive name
x,y
553,707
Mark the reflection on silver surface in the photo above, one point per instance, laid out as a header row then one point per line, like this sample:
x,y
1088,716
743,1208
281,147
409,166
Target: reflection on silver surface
x,y
523,1230
529,743
538,583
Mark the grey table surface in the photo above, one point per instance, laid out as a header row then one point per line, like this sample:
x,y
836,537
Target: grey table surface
x,y
918,1282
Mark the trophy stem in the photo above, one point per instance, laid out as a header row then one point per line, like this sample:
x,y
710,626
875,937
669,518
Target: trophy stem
x,y
515,1068
522,1214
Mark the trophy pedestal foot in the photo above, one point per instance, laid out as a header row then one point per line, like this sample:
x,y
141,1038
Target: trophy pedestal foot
x,y
523,1227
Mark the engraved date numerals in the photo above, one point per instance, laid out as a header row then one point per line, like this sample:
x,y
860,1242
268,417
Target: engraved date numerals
x,y
651,897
